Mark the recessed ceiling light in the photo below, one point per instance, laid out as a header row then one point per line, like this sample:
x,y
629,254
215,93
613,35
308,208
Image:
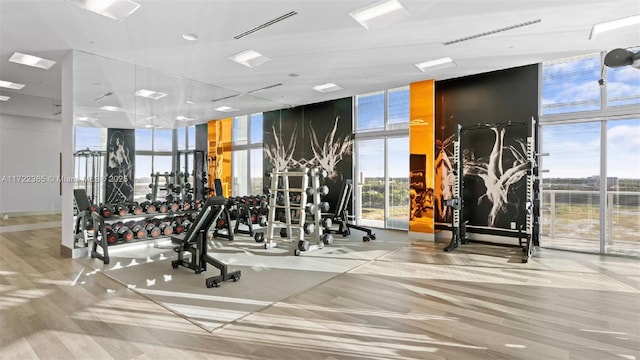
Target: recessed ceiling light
x,y
190,102
149,126
183,118
441,63
614,24
11,85
328,87
155,95
110,108
149,118
190,37
86,118
30,60
4,98
225,109
379,13
113,9
249,58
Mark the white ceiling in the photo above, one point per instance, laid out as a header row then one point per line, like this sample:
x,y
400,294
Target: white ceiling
x,y
320,44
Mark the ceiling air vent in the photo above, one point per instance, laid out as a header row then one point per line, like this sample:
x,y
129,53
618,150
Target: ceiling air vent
x,y
101,97
265,88
268,23
493,32
225,97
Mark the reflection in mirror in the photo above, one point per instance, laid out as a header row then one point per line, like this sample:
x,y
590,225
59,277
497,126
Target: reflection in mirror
x,y
113,94
29,154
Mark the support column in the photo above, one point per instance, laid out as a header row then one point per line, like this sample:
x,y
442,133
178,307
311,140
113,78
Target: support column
x,y
66,157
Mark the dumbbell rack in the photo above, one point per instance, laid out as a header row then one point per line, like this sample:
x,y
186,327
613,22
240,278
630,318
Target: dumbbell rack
x,y
294,231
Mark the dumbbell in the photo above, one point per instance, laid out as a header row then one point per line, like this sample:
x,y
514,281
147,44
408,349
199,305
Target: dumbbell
x,y
326,223
186,205
111,235
117,225
135,209
166,228
121,209
327,239
322,190
161,207
172,206
153,230
138,231
186,225
221,224
177,227
262,221
311,208
148,207
309,228
125,234
106,211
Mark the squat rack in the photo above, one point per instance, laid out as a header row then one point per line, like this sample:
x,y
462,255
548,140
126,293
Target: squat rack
x,y
93,173
529,232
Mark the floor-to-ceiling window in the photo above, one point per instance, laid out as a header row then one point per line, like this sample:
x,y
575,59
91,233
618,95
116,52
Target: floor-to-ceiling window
x,y
571,193
154,154
370,182
247,155
622,228
381,193
590,142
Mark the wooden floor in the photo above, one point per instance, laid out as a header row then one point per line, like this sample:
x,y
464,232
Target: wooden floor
x,y
417,302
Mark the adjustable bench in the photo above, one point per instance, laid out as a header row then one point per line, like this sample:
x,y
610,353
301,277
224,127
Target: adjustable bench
x,y
342,217
195,242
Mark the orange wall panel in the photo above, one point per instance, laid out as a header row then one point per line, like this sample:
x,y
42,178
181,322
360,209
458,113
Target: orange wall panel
x,y
421,146
220,153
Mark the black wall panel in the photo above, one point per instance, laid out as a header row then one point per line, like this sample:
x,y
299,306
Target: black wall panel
x,y
316,135
495,110
120,165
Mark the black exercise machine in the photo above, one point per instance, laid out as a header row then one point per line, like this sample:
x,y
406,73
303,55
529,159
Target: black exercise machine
x,y
529,231
342,217
195,242
83,217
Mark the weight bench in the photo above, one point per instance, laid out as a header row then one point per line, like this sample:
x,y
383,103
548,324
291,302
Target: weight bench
x,y
342,217
195,242
83,218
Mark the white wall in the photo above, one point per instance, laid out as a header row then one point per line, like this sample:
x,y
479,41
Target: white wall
x,y
29,147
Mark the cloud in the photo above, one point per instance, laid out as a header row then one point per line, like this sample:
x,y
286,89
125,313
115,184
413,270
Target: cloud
x,y
574,150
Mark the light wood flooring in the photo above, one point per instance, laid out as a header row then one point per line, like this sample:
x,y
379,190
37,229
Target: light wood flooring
x,y
415,302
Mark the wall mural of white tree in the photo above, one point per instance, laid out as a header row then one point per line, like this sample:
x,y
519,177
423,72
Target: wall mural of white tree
x,y
329,153
280,155
316,135
498,178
